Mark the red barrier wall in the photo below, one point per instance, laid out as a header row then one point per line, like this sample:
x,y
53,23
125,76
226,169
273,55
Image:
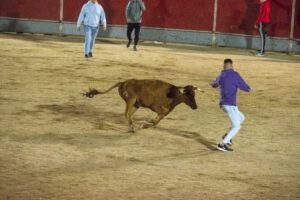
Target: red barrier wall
x,y
72,9
236,16
30,9
192,14
114,10
297,20
281,13
180,14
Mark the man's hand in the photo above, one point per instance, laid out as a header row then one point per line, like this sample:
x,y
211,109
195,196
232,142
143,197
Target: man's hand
x,y
128,20
214,84
104,28
255,26
78,28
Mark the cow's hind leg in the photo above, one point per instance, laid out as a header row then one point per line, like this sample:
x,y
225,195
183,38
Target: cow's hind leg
x,y
130,109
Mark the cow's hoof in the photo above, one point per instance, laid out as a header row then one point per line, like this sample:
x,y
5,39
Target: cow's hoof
x,y
144,126
131,131
141,127
151,121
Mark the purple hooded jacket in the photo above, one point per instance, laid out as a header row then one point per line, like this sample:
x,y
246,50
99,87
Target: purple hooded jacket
x,y
228,82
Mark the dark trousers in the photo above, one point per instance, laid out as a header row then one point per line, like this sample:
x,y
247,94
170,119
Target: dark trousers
x,y
262,33
136,27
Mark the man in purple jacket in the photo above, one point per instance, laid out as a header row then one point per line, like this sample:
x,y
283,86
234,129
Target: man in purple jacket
x,y
228,82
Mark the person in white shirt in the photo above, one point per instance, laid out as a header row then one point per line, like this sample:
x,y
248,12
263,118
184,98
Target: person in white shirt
x,y
91,14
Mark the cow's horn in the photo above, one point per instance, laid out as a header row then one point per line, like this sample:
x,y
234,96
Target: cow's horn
x,y
199,89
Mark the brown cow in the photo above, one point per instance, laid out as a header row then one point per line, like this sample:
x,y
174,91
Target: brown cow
x,y
159,96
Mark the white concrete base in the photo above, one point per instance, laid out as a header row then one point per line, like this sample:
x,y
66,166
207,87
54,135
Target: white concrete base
x,y
148,33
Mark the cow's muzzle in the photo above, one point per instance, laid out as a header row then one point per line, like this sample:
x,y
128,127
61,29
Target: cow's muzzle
x,y
194,107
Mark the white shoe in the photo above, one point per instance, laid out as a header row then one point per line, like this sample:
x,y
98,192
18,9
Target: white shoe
x,y
223,148
260,55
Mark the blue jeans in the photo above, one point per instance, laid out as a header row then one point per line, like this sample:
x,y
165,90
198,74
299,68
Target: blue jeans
x,y
90,36
236,118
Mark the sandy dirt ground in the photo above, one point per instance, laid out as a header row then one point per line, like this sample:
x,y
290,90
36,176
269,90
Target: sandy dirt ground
x,y
56,144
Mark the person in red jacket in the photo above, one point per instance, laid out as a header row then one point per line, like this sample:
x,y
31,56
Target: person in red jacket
x,y
262,22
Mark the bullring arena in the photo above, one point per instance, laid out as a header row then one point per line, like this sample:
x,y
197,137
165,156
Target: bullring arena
x,y
57,144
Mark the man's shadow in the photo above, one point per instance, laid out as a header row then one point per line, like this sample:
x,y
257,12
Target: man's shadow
x,y
191,135
248,21
287,15
109,12
157,13
13,25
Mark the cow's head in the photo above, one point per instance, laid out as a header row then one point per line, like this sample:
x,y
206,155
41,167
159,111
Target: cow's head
x,y
188,93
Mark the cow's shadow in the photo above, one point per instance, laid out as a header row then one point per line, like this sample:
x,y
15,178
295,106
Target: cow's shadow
x,y
105,120
190,135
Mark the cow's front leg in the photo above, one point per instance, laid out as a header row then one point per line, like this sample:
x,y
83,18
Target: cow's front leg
x,y
158,118
134,109
151,121
154,121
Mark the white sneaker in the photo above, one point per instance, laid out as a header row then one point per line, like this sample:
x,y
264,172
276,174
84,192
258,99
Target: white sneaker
x,y
260,55
223,148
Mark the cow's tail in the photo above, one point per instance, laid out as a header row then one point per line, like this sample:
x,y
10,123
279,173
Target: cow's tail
x,y
92,92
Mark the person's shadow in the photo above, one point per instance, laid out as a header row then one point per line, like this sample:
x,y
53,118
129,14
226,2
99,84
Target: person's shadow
x,y
278,25
13,25
109,12
248,22
161,13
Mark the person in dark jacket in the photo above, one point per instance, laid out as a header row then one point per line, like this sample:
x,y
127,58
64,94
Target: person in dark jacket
x,y
261,23
134,12
229,82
